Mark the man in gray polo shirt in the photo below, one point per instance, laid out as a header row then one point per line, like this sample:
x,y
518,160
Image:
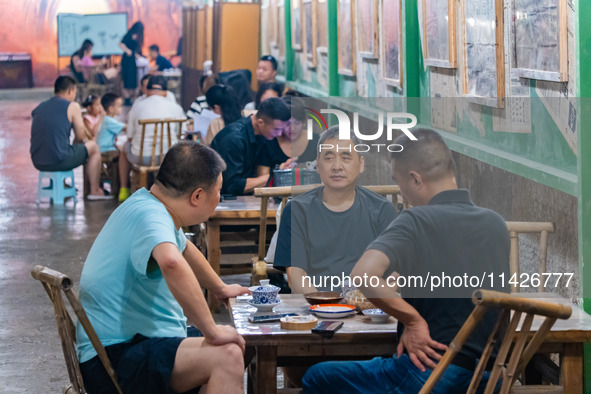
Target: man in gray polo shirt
x,y
324,232
444,232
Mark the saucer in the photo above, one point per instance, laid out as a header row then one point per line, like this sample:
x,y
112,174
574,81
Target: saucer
x,y
264,307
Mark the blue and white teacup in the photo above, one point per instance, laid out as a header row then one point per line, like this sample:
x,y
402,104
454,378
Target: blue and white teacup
x,y
265,293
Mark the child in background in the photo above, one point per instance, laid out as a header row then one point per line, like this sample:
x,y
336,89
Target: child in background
x,y
111,127
93,118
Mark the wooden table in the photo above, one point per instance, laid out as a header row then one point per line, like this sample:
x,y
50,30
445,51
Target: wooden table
x,y
359,338
244,210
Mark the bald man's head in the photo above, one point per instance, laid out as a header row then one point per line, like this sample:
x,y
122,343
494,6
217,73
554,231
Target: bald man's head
x,y
429,156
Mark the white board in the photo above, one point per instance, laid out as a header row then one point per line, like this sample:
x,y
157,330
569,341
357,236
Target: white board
x,y
104,30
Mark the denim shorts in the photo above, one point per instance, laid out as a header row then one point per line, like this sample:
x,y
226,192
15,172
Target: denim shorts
x,y
143,365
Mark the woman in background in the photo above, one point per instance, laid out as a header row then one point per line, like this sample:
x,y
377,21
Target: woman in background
x,y
221,99
266,91
76,60
131,44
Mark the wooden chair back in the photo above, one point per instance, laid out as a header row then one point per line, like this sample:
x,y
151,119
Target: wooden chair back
x,y
284,192
161,131
55,283
516,228
525,342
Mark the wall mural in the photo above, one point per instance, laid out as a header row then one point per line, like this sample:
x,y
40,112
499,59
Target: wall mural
x,y
32,27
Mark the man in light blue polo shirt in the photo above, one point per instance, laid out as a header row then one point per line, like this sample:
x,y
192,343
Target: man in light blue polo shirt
x,y
141,278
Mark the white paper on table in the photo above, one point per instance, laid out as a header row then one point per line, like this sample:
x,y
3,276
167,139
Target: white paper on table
x,y
201,122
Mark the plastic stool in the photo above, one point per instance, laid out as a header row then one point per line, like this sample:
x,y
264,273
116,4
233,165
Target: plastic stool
x,y
56,191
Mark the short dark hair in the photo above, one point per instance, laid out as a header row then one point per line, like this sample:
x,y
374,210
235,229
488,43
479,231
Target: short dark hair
x,y
154,48
428,155
270,59
63,83
187,166
157,82
108,100
296,105
332,133
147,76
273,109
276,86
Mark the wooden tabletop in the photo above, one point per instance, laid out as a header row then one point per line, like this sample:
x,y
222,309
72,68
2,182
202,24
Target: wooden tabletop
x,y
575,329
243,207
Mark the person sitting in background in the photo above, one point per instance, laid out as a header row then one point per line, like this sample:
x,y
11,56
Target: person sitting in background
x,y
142,280
144,91
155,106
338,216
443,232
50,150
222,102
266,90
93,118
240,145
266,69
200,103
111,127
161,63
76,59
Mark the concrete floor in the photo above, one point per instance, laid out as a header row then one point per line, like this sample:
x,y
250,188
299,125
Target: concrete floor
x,y
31,359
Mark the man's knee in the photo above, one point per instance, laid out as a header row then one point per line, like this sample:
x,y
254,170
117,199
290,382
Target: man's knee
x,y
233,355
92,148
316,378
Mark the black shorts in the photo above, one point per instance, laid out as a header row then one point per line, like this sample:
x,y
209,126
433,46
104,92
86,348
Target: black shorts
x,y
143,365
76,156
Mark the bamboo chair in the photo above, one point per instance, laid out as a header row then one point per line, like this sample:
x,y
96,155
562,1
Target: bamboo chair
x,y
158,132
54,283
260,267
516,228
522,350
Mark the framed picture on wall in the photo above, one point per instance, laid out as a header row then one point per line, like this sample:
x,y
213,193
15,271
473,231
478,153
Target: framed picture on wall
x,y
309,19
541,29
346,37
268,25
367,28
281,28
296,25
483,74
391,47
322,24
439,33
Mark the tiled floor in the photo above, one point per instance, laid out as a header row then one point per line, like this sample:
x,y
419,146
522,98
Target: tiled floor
x,y
31,359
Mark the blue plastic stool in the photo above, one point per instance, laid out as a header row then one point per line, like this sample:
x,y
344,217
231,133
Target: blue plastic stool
x,y
56,191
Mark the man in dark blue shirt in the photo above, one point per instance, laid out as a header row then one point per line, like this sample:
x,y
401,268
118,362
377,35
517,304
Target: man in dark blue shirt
x,y
162,63
241,143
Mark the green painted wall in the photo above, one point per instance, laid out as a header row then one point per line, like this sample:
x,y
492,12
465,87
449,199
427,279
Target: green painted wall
x,y
542,155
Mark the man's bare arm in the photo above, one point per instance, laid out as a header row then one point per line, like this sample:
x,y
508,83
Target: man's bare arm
x,y
185,288
253,183
75,117
416,338
207,276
